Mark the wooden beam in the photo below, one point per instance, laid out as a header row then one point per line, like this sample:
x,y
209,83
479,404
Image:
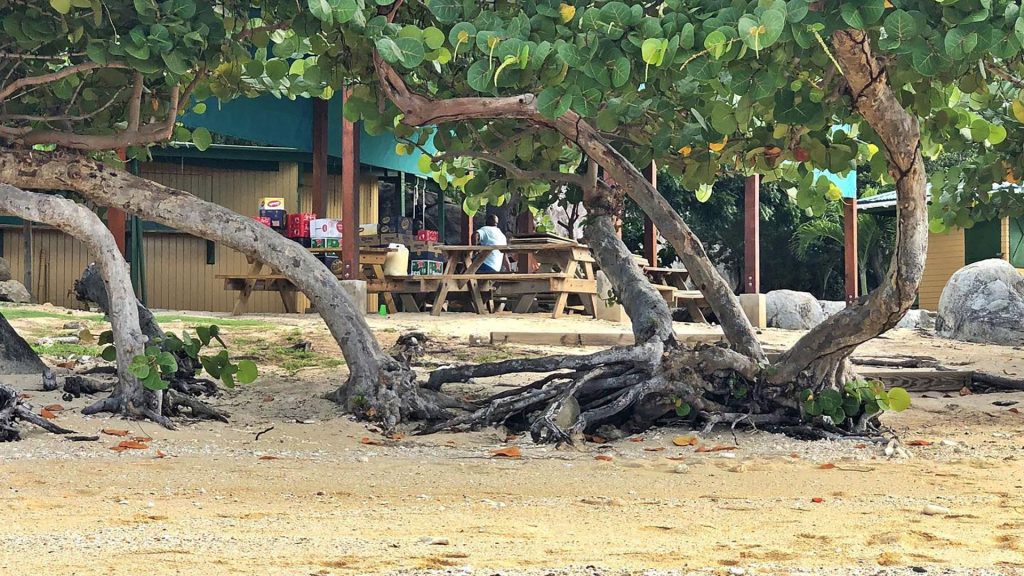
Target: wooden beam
x,y
752,234
527,263
466,235
320,145
349,195
26,241
850,250
590,338
650,231
919,379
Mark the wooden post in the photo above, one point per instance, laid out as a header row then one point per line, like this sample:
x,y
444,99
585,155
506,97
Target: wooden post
x,y
116,218
752,234
850,249
26,241
467,229
525,225
319,205
349,195
650,231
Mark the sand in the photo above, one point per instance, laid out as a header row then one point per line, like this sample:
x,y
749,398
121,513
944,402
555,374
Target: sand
x,y
311,496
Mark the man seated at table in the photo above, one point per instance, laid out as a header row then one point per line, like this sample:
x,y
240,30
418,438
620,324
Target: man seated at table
x,y
491,235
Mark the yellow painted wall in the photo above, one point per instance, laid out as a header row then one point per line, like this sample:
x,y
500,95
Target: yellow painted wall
x,y
945,256
57,261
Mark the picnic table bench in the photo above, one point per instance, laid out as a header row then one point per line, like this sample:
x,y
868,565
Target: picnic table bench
x,y
567,268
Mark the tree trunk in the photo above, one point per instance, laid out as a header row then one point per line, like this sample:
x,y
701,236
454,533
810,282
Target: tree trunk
x,y
900,135
129,397
378,386
16,356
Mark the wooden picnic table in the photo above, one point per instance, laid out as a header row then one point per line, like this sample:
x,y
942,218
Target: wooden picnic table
x,y
565,268
671,283
371,260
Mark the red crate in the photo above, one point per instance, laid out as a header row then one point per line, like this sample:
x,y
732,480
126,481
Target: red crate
x,y
298,224
427,236
263,220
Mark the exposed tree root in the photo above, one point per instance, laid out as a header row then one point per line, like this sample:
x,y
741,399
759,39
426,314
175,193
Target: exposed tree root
x,y
13,408
175,401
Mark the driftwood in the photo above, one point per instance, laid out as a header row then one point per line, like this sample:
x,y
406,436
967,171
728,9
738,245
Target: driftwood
x,y
14,408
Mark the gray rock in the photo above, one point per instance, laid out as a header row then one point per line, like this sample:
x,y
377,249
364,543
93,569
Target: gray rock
x,y
14,291
5,271
831,307
983,302
918,320
791,310
75,325
569,413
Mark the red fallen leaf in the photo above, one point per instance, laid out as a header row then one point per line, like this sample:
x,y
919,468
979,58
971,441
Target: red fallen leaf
x,y
1015,410
688,440
142,438
861,446
47,414
160,454
369,441
54,408
269,457
603,458
68,365
596,439
965,391
132,445
636,439
827,466
919,443
817,500
118,448
396,436
720,448
794,455
654,449
509,452
113,432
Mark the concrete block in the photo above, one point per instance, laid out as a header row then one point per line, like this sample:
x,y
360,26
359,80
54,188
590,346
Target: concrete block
x,y
356,290
606,311
756,308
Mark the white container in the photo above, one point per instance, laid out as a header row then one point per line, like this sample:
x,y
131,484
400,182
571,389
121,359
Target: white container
x,y
396,263
325,228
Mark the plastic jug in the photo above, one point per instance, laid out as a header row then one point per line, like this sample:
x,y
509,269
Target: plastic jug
x,y
396,263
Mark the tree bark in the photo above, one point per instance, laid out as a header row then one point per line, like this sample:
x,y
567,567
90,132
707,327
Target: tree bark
x,y
129,397
421,111
16,356
378,387
900,136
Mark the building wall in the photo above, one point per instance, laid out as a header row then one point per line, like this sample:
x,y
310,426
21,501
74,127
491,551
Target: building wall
x,y
57,261
945,256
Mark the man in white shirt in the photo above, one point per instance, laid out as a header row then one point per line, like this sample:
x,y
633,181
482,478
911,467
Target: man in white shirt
x,y
491,235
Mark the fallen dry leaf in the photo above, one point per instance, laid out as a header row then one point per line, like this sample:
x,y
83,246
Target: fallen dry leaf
x,y
118,448
794,455
47,414
160,454
24,396
132,445
509,452
1015,410
113,432
817,500
676,458
636,439
919,443
685,440
965,391
827,466
603,458
596,439
370,441
654,449
860,446
142,438
719,448
54,408
268,457
268,398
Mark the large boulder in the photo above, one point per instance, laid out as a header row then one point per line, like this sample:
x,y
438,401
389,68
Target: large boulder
x,y
793,310
983,302
918,320
831,307
5,271
14,291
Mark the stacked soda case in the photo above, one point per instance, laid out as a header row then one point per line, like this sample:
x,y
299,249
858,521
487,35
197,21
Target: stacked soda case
x,y
325,233
273,209
427,236
299,228
425,259
394,225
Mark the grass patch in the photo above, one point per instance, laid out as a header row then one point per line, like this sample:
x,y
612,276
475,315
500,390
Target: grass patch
x,y
208,320
282,355
20,313
60,350
484,356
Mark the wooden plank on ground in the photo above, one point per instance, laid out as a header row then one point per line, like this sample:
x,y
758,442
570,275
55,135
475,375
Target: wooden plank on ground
x,y
918,379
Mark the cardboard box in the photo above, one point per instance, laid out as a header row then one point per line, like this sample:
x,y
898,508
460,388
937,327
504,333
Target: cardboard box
x,y
278,218
427,236
405,239
325,243
262,220
324,228
272,204
394,225
426,267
